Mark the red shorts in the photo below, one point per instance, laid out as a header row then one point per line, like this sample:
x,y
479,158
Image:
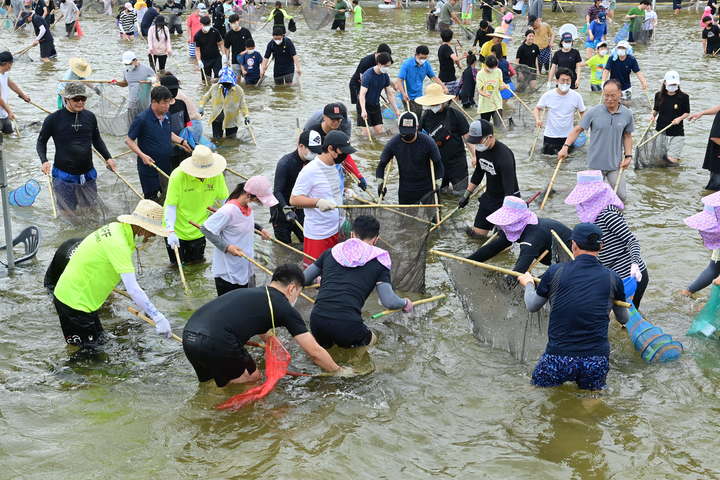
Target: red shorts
x,y
315,248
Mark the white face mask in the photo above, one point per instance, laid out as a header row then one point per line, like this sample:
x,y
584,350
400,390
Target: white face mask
x,y
621,52
564,87
480,147
384,69
309,156
129,68
603,52
205,29
567,45
435,108
250,52
420,61
277,42
672,88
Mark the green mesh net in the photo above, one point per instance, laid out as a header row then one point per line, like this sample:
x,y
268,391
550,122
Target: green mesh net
x,y
707,322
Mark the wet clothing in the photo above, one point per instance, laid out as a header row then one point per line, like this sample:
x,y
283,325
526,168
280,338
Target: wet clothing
x,y
588,372
283,55
668,108
74,135
191,251
153,138
215,335
712,152
620,69
498,163
367,62
535,239
235,41
59,261
447,128
286,172
413,164
79,328
704,279
568,60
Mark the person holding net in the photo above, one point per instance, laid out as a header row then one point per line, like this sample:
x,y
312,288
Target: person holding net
x,y
137,78
74,131
560,103
671,107
7,115
349,272
707,225
43,35
287,61
227,100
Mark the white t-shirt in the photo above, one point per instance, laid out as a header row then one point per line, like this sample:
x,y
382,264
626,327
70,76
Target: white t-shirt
x,y
236,229
561,112
4,92
317,180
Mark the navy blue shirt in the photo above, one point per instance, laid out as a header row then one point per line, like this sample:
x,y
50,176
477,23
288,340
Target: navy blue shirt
x,y
581,299
283,54
620,70
375,83
153,138
251,63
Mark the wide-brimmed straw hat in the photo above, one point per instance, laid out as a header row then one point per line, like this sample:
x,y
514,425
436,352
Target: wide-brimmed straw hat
x,y
589,184
262,189
499,35
513,210
75,89
80,67
433,96
707,219
147,215
203,163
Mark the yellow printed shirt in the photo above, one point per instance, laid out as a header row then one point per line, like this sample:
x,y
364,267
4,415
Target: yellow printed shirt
x,y
489,83
231,104
486,49
192,196
95,267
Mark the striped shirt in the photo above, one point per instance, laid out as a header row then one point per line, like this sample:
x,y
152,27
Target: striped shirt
x,y
127,22
620,248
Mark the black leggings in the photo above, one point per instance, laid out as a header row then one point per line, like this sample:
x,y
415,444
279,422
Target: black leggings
x,y
706,277
160,59
640,291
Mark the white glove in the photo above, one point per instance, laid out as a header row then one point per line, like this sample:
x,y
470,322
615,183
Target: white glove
x,y
224,59
635,272
324,205
550,86
173,240
200,64
162,326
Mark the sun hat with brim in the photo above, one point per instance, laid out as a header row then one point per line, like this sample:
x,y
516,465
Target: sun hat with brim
x,y
589,184
80,67
147,215
433,96
513,210
261,188
75,89
709,218
499,35
203,163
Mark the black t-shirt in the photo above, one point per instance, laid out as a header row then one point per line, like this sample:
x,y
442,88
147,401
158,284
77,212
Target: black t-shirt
x,y
232,319
208,43
236,42
712,153
283,55
535,239
40,7
37,22
59,262
179,116
368,61
413,162
671,107
498,164
446,128
568,60
343,290
712,35
483,36
447,65
527,54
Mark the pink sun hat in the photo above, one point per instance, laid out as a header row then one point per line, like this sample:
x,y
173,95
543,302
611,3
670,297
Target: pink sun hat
x,y
261,188
589,184
709,218
514,210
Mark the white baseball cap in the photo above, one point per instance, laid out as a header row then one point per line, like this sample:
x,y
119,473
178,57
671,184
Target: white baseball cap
x,y
201,6
672,78
624,44
128,57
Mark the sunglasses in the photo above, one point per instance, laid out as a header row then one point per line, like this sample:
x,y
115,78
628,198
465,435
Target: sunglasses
x,y
78,99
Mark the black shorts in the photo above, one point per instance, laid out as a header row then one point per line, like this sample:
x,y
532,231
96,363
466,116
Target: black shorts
x,y
487,205
223,286
286,79
191,251
211,362
552,145
338,24
79,328
343,333
406,197
374,115
47,50
6,126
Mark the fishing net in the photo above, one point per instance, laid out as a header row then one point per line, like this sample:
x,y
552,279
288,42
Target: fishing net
x,y
110,110
79,203
654,153
277,360
708,320
527,79
496,308
251,17
559,254
405,239
316,14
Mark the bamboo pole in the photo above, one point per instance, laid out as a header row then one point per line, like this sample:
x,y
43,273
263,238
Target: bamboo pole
x,y
552,182
160,171
382,205
619,177
538,260
289,247
180,269
86,81
537,137
52,195
384,182
562,244
653,137
419,302
368,130
356,179
252,134
454,210
262,77
387,205
237,174
435,195
521,101
505,271
148,320
459,107
119,175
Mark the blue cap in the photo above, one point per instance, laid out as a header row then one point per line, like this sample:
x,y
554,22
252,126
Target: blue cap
x,y
587,236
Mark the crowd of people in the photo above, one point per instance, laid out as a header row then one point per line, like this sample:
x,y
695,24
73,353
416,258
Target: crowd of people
x,y
440,119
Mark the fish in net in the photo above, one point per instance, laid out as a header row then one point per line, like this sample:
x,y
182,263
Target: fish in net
x,y
79,203
652,154
405,239
496,308
317,15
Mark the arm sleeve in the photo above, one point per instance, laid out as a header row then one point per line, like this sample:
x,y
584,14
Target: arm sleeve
x,y
388,297
43,137
41,33
488,251
311,273
386,155
98,142
215,239
279,184
617,226
138,295
528,254
170,216
352,167
533,301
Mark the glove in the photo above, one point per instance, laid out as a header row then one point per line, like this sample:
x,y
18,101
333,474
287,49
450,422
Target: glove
x,y
162,326
173,240
381,190
344,372
438,184
200,64
247,120
325,205
97,90
462,203
291,217
635,272
363,184
408,308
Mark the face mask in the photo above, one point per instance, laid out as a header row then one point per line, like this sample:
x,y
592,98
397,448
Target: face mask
x,y
672,88
564,87
567,45
129,68
309,156
420,61
480,147
250,52
621,52
277,42
408,137
603,52
205,29
384,69
340,158
435,108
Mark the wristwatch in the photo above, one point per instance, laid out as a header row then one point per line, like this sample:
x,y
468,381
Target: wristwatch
x,y
566,145
628,156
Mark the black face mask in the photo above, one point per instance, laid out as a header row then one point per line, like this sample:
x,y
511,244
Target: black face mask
x,y
409,137
340,158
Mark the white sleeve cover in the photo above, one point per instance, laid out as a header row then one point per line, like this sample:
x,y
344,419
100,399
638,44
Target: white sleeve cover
x,y
41,32
170,216
138,295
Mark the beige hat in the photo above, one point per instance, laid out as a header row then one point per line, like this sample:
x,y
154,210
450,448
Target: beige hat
x,y
203,163
499,35
80,67
147,215
433,96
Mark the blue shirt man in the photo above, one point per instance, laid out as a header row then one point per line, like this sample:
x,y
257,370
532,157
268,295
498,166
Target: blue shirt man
x,y
619,66
412,74
581,294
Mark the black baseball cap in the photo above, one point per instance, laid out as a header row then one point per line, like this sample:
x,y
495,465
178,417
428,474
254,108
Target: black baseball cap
x,y
334,111
479,129
312,140
587,236
339,140
407,123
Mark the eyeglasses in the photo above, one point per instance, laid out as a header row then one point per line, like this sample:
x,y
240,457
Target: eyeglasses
x,y
78,99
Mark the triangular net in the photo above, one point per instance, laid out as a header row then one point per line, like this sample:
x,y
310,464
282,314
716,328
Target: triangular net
x,y
80,204
654,153
317,15
111,111
251,17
